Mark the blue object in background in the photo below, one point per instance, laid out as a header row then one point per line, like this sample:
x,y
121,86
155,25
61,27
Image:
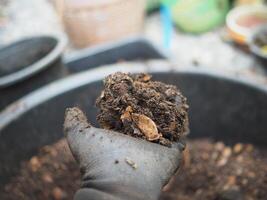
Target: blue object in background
x,y
166,20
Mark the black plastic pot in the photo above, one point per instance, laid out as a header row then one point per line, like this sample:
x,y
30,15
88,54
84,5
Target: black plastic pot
x,y
133,48
221,107
27,57
129,49
29,64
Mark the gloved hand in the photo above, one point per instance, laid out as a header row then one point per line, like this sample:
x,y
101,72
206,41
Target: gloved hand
x,y
116,166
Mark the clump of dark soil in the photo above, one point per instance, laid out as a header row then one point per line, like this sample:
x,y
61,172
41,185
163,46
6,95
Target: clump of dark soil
x,y
137,106
212,171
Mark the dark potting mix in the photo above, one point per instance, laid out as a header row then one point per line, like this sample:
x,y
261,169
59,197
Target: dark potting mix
x,y
137,106
211,171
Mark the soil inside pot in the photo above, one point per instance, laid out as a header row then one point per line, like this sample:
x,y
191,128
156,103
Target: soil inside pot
x,y
212,171
215,171
51,174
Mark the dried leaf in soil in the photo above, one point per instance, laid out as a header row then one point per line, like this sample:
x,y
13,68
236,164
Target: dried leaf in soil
x,y
146,126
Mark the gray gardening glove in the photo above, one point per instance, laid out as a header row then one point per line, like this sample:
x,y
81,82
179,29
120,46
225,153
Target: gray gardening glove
x,y
116,166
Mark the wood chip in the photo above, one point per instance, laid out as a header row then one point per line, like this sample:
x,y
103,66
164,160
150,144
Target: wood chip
x,y
35,163
127,114
47,178
58,193
249,148
226,152
238,148
147,126
231,180
146,78
187,158
222,162
131,163
219,146
102,95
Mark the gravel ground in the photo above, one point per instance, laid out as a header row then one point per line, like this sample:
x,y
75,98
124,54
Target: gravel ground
x,y
209,49
26,18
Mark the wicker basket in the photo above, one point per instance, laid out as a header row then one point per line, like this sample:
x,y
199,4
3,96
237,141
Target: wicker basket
x,y
99,21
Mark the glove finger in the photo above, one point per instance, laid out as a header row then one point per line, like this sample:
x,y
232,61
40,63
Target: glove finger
x,y
75,124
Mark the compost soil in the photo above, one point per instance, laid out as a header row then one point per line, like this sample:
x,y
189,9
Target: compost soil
x,y
214,171
51,174
211,171
137,106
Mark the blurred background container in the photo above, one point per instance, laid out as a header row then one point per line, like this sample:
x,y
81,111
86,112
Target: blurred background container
x,y
243,20
197,16
258,43
152,5
97,21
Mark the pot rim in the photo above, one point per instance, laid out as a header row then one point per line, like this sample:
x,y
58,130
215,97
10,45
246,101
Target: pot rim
x,y
37,97
99,48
